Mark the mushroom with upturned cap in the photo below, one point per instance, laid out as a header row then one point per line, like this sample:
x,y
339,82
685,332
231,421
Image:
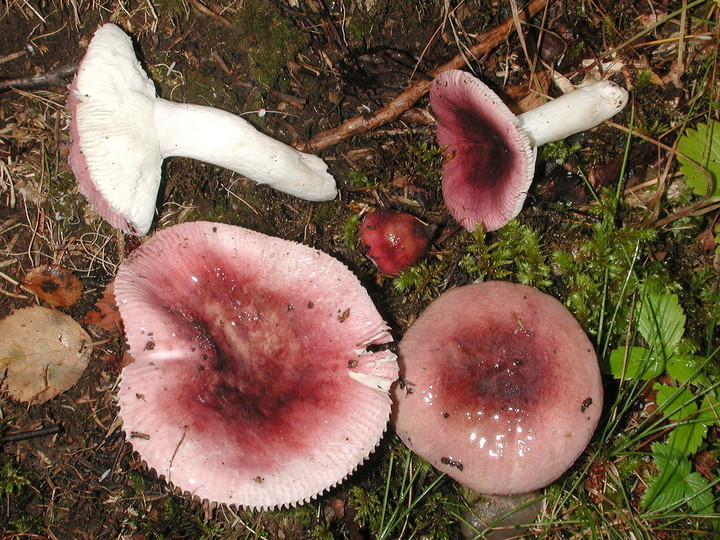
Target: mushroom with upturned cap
x,y
507,392
490,153
253,383
121,133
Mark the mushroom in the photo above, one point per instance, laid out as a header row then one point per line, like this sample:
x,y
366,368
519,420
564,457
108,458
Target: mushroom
x,y
490,153
121,133
395,240
500,387
261,374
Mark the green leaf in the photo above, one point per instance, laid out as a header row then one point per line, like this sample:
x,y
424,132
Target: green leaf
x,y
669,459
701,146
680,405
669,487
639,363
686,369
700,492
663,490
675,403
688,437
710,410
661,322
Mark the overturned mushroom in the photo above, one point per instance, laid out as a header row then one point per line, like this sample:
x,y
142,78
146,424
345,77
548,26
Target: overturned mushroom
x,y
490,153
501,387
252,382
121,132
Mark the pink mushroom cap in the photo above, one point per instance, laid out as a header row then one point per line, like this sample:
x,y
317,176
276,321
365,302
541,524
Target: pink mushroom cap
x,y
395,240
501,387
489,164
252,383
490,153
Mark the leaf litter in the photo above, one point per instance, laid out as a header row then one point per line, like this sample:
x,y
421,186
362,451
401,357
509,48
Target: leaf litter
x,y
54,285
43,353
75,466
105,315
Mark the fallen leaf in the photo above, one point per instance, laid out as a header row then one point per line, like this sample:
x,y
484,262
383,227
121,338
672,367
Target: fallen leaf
x,y
105,314
54,285
529,94
43,353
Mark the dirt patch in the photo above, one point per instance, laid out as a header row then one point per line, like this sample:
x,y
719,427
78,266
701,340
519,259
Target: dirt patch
x,y
293,70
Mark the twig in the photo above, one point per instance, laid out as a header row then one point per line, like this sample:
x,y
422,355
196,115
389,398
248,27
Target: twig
x,y
210,13
90,466
31,434
118,457
360,124
55,77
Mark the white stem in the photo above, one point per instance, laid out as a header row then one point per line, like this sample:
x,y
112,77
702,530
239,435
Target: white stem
x,y
580,110
224,139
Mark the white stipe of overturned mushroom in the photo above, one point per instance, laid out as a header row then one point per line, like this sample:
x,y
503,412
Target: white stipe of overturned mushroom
x,y
122,132
574,112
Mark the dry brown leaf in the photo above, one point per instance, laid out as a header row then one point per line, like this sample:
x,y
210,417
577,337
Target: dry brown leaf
x,y
105,314
527,96
43,352
54,285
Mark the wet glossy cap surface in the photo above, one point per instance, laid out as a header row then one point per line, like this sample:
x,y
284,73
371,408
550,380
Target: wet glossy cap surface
x,y
395,240
252,384
501,389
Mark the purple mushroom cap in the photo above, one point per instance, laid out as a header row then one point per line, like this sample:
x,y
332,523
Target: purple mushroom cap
x,y
252,382
490,153
501,387
489,164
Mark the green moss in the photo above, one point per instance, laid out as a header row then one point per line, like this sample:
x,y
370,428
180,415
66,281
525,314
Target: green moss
x,y
359,179
426,162
359,26
269,41
207,90
516,254
351,231
559,151
643,79
12,479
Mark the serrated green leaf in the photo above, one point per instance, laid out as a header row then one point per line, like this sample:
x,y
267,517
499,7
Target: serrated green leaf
x,y
661,322
687,437
701,146
640,363
686,369
680,405
669,459
669,487
665,489
675,403
710,410
700,493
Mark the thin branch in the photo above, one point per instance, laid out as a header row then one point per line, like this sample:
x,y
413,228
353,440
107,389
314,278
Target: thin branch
x,y
52,429
210,13
55,77
360,124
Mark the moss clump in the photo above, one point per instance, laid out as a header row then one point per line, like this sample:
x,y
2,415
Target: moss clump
x,y
268,39
207,90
